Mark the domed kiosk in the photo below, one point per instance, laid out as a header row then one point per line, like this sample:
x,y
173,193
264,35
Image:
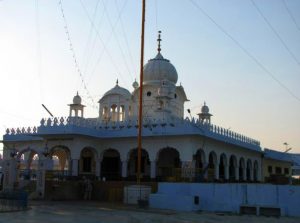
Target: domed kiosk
x,y
205,116
76,106
114,105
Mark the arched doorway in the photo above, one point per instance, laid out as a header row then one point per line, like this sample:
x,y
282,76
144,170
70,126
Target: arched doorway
x,y
111,165
241,169
200,168
60,161
168,164
222,166
28,161
87,163
212,166
232,168
199,159
133,162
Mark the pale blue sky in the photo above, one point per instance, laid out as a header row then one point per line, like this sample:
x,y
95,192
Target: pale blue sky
x,y
36,65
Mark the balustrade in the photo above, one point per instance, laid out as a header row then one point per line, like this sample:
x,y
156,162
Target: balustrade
x,y
119,125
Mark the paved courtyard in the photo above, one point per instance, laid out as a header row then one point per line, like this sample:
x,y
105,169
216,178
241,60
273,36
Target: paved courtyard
x,y
86,212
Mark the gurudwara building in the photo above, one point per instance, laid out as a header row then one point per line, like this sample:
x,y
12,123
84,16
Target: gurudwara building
x,y
104,148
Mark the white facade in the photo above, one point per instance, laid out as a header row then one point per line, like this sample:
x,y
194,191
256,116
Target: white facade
x,y
105,147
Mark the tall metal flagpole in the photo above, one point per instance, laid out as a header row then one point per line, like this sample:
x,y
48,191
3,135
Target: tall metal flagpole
x,y
141,95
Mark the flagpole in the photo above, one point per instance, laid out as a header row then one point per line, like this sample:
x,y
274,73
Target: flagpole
x,y
140,121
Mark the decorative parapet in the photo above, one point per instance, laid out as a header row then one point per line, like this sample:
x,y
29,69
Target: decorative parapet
x,y
18,131
230,134
98,128
223,134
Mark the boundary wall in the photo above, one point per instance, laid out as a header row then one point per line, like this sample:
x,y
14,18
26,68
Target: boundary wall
x,y
226,197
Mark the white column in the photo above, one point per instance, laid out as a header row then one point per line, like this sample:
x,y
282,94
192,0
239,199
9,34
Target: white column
x,y
226,172
75,167
10,173
236,170
259,173
48,163
205,168
244,173
40,177
118,113
216,171
153,169
186,169
98,168
124,168
251,174
126,112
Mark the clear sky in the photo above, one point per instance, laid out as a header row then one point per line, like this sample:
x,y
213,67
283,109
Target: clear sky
x,y
241,57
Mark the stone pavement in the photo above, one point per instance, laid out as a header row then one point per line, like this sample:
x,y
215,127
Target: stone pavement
x,y
89,212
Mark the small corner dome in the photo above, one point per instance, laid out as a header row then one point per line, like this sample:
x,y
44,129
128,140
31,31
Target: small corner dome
x,y
135,84
117,90
205,108
77,99
159,69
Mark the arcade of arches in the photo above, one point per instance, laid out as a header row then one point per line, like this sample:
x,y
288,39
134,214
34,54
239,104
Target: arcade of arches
x,y
166,165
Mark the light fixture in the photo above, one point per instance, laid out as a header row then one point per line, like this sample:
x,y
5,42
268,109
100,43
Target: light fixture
x,y
46,152
13,153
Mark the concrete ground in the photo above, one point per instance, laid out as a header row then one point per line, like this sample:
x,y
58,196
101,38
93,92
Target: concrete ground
x,y
88,212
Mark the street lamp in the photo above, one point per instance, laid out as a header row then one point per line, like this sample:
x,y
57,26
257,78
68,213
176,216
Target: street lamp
x,y
286,147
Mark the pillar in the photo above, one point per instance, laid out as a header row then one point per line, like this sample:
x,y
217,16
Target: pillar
x,y
48,163
251,174
153,169
236,172
245,174
40,177
10,173
187,170
216,165
124,168
259,174
126,112
205,169
98,168
75,167
226,172
118,113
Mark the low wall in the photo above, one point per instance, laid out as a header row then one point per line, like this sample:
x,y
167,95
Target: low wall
x,y
226,197
109,191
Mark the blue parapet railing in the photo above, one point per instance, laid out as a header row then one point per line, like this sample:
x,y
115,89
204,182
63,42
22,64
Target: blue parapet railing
x,y
110,129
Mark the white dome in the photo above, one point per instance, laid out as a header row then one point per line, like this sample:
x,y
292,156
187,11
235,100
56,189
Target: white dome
x,y
77,99
159,69
117,90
